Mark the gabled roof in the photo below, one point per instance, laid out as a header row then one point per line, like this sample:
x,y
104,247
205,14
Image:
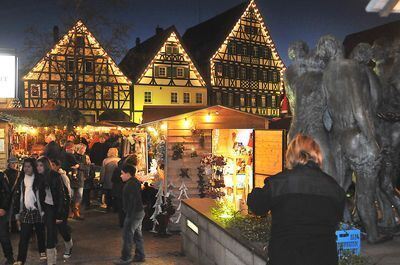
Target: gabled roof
x,y
139,57
157,112
205,38
65,38
390,31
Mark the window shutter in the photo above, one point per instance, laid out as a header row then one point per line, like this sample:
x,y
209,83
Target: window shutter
x,y
186,73
157,71
173,72
168,71
239,48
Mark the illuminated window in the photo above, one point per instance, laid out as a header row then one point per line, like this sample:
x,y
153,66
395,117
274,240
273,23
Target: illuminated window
x,y
273,103
218,69
242,103
267,52
263,101
174,97
186,97
35,90
255,51
253,100
88,67
244,50
171,49
199,98
180,72
147,97
162,71
274,76
53,91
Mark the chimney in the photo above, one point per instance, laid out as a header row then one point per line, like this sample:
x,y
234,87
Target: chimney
x,y
159,30
137,41
56,34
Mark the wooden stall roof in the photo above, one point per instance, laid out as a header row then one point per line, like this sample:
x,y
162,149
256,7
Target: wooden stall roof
x,y
214,117
154,113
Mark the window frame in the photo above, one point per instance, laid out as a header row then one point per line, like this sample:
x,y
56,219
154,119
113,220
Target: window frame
x,y
177,99
86,68
184,98
146,93
201,98
165,71
183,72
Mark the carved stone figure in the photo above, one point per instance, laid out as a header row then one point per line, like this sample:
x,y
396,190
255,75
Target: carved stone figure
x,y
363,54
352,131
387,65
304,84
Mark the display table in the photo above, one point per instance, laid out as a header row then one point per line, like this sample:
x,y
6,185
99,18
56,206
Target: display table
x,y
206,241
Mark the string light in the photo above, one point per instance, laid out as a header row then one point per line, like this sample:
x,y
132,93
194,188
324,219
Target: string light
x,y
208,117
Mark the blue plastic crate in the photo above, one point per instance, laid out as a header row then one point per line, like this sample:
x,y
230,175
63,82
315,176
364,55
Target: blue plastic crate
x,y
348,241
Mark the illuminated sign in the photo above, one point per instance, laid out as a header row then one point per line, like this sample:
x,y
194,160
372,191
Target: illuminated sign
x,y
192,226
7,76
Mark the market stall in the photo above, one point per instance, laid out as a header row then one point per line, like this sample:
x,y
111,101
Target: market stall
x,y
209,153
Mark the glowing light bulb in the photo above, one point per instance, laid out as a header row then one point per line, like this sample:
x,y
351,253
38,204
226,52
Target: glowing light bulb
x,y
208,117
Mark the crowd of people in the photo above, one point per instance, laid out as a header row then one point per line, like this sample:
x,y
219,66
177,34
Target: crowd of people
x,y
39,195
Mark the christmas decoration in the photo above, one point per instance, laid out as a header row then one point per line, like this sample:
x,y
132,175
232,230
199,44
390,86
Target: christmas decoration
x,y
157,207
184,173
177,150
216,182
167,211
182,195
202,184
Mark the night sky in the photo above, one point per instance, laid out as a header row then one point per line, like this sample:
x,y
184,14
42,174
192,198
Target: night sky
x,y
288,20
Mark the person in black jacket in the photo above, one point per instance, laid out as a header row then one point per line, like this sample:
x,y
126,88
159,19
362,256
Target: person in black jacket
x,y
306,206
5,201
11,175
133,208
63,228
28,203
52,150
54,205
118,185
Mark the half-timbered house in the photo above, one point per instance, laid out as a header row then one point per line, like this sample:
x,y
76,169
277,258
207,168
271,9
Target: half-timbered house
x,y
78,73
239,61
163,73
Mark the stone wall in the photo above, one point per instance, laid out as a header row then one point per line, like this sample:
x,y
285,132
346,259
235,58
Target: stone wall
x,y
212,245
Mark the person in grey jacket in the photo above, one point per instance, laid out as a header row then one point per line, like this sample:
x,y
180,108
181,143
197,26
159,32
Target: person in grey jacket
x,y
107,170
133,208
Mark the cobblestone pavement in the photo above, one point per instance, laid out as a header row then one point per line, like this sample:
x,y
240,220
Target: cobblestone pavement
x,y
97,241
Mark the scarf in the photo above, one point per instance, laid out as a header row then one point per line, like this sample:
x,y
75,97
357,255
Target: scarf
x,y
29,196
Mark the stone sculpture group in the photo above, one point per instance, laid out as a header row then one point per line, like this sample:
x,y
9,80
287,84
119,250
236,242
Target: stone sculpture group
x,y
351,107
